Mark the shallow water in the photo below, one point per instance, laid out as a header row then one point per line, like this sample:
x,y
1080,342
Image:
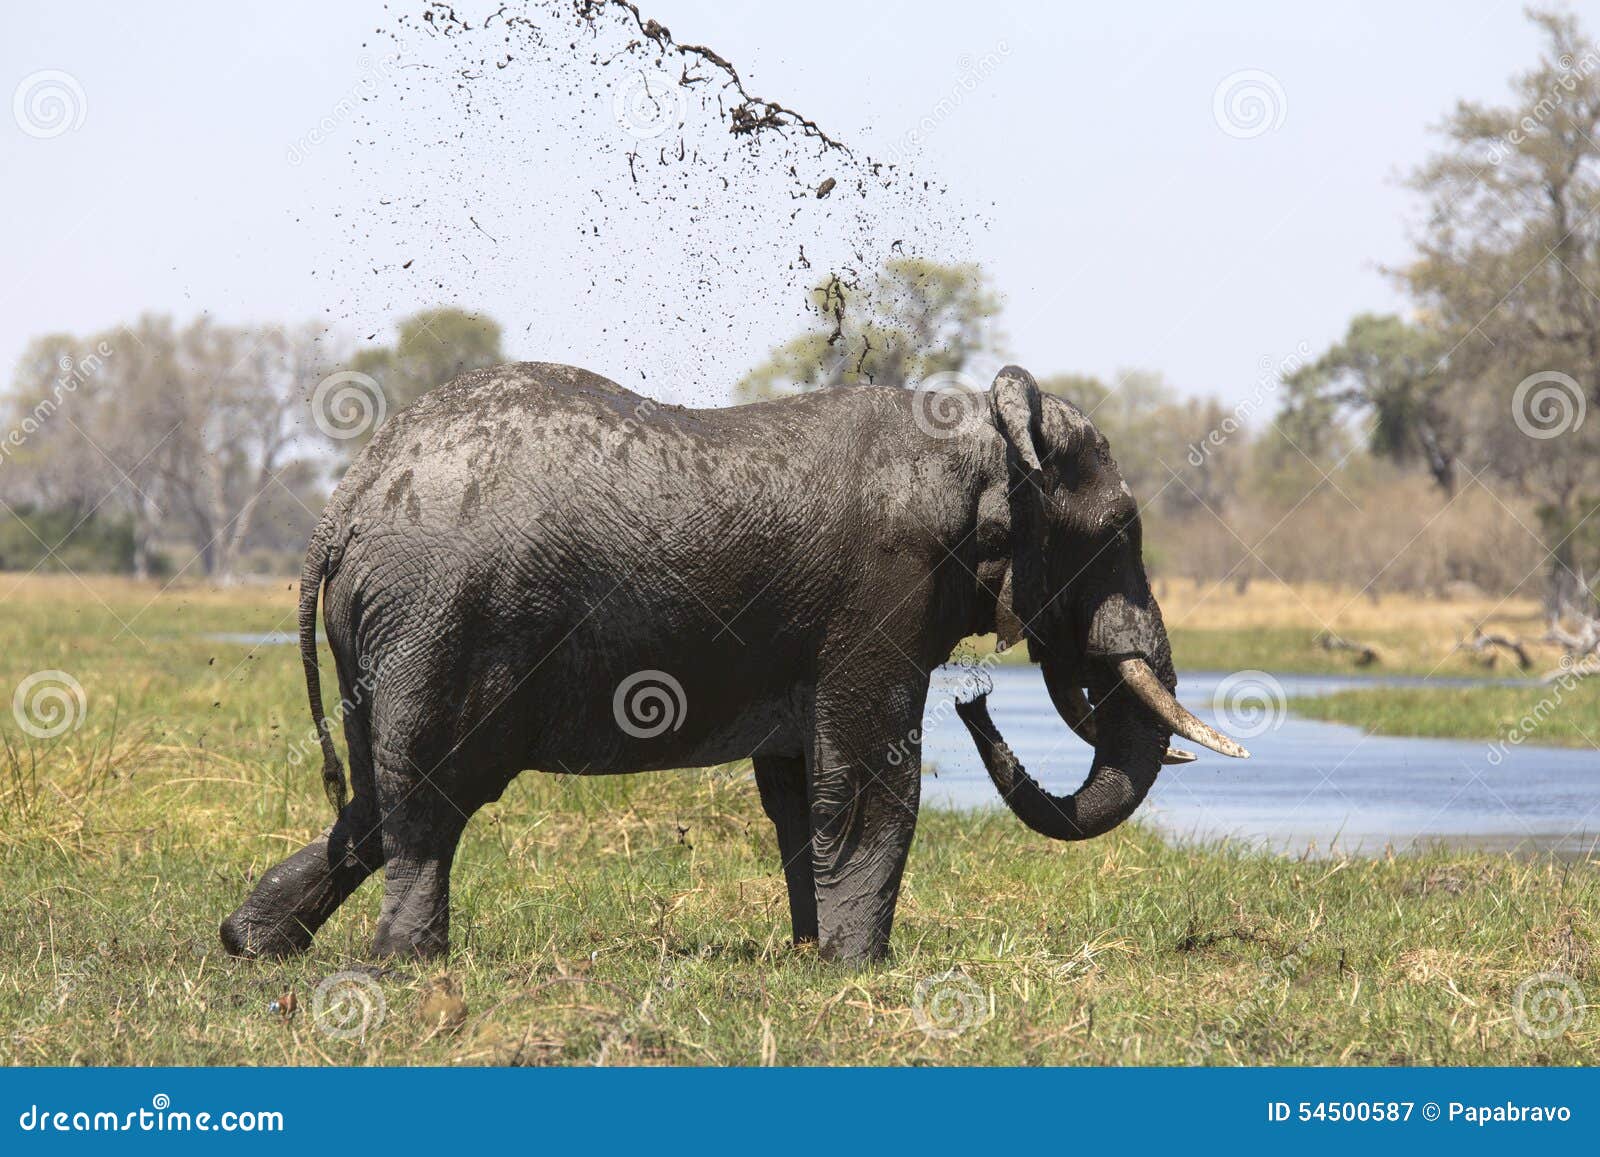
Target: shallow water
x,y
1310,786
262,639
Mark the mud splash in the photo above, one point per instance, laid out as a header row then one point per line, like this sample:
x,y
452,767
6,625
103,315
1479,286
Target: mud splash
x,y
576,151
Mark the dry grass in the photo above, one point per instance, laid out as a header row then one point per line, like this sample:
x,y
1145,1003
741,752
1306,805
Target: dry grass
x,y
1266,604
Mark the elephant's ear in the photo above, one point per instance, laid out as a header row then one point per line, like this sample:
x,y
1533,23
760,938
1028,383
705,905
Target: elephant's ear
x,y
1014,404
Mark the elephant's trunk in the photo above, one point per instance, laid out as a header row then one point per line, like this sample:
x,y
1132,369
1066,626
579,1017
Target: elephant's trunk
x,y
1128,752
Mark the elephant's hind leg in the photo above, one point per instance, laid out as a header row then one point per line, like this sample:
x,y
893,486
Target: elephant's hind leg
x,y
297,896
425,811
782,782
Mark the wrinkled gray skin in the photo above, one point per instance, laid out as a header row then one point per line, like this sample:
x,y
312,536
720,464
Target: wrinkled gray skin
x,y
505,553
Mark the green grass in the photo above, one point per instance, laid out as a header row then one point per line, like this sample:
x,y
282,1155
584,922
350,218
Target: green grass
x,y
642,919
1549,715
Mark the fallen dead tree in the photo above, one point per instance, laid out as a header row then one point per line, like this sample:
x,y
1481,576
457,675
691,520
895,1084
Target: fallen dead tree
x,y
1366,654
1580,644
1488,647
1577,633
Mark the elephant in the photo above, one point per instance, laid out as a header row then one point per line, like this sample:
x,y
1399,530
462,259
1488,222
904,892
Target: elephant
x,y
535,568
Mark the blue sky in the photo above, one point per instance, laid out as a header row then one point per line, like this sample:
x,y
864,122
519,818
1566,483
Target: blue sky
x,y
1125,226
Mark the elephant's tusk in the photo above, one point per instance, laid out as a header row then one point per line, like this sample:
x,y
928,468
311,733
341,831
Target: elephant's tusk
x,y
1142,681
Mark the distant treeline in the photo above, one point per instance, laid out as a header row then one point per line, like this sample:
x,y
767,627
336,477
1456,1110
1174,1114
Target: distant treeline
x,y
203,450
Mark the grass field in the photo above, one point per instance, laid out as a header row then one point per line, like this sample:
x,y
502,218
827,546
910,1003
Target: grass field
x,y
642,919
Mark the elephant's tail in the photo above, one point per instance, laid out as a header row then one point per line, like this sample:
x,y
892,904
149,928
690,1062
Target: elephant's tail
x,y
333,781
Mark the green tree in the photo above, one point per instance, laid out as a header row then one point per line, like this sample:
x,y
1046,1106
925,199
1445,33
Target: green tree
x,y
1392,374
913,320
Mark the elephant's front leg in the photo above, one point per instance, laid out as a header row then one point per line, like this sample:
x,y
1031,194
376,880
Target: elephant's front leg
x,y
781,780
867,783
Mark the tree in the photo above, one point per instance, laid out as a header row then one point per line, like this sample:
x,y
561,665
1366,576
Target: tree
x,y
81,441
1393,374
187,434
431,348
1505,269
230,420
913,320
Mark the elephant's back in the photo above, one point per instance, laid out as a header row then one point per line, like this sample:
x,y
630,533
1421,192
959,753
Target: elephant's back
x,y
541,477
493,442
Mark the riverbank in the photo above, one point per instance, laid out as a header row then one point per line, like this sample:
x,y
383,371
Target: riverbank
x,y
1548,715
1287,629
642,919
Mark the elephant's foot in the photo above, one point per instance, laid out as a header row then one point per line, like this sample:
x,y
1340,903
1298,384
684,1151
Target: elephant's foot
x,y
254,937
295,898
423,944
416,907
860,946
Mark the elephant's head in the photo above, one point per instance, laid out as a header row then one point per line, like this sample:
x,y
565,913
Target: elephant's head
x,y
1077,591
